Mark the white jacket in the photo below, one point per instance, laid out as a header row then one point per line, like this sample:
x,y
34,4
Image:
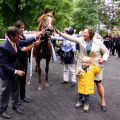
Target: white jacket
x,y
98,50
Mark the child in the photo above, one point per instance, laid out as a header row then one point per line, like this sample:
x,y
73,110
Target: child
x,y
85,76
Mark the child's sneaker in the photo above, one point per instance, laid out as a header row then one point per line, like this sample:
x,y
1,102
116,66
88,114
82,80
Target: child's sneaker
x,y
86,107
78,105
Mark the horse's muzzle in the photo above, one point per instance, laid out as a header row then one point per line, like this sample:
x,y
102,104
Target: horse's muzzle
x,y
49,30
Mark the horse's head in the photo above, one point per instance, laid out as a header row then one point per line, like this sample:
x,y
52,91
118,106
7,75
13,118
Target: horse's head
x,y
46,22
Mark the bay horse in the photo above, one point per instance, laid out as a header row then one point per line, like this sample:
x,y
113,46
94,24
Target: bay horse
x,y
44,50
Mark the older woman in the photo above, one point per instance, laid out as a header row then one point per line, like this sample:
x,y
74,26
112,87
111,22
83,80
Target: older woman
x,y
94,48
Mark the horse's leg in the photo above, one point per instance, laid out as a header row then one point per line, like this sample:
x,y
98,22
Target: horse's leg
x,y
36,68
37,59
47,70
39,74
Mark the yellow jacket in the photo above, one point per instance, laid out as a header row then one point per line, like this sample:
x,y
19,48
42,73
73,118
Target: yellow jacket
x,y
86,80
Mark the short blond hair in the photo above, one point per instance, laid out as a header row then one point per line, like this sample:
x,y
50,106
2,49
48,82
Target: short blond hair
x,y
86,58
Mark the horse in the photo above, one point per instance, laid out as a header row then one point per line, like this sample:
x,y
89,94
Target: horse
x,y
44,50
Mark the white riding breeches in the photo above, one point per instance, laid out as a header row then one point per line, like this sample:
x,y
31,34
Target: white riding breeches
x,y
69,72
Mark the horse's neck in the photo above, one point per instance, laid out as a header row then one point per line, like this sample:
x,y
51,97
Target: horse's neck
x,y
40,27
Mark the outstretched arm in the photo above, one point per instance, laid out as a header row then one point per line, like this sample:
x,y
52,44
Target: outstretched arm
x,y
68,37
30,40
29,47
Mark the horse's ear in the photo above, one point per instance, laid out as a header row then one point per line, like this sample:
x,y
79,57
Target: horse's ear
x,y
45,11
53,13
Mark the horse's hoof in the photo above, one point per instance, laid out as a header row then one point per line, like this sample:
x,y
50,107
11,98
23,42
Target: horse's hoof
x,y
39,88
47,84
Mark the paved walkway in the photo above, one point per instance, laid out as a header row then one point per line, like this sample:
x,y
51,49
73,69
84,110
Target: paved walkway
x,y
57,101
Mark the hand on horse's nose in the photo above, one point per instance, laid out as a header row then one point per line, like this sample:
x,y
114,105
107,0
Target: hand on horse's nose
x,y
39,34
37,42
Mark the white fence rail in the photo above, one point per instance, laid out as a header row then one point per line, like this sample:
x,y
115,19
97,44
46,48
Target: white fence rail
x,y
2,40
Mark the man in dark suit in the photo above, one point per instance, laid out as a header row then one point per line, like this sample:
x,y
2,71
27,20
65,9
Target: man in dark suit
x,y
23,42
9,71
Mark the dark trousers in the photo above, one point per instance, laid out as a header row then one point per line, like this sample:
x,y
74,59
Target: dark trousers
x,y
118,50
8,88
23,66
106,43
22,86
113,48
61,59
86,98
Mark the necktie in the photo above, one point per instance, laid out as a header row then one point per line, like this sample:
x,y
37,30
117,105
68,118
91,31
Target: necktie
x,y
15,47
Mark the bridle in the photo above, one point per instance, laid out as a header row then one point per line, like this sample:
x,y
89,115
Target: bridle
x,y
45,22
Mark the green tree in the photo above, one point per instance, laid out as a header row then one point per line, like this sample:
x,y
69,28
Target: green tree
x,y
30,10
86,13
110,13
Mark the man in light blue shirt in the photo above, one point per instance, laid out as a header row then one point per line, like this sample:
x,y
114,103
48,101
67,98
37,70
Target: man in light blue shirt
x,y
69,62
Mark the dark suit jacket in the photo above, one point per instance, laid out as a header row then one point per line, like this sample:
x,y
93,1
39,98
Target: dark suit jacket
x,y
8,61
23,55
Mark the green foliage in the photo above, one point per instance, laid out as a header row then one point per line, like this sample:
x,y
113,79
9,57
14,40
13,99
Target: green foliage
x,y
30,10
76,13
86,13
102,32
110,14
2,28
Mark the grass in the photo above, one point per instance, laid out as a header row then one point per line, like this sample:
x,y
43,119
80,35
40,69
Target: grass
x,y
1,41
